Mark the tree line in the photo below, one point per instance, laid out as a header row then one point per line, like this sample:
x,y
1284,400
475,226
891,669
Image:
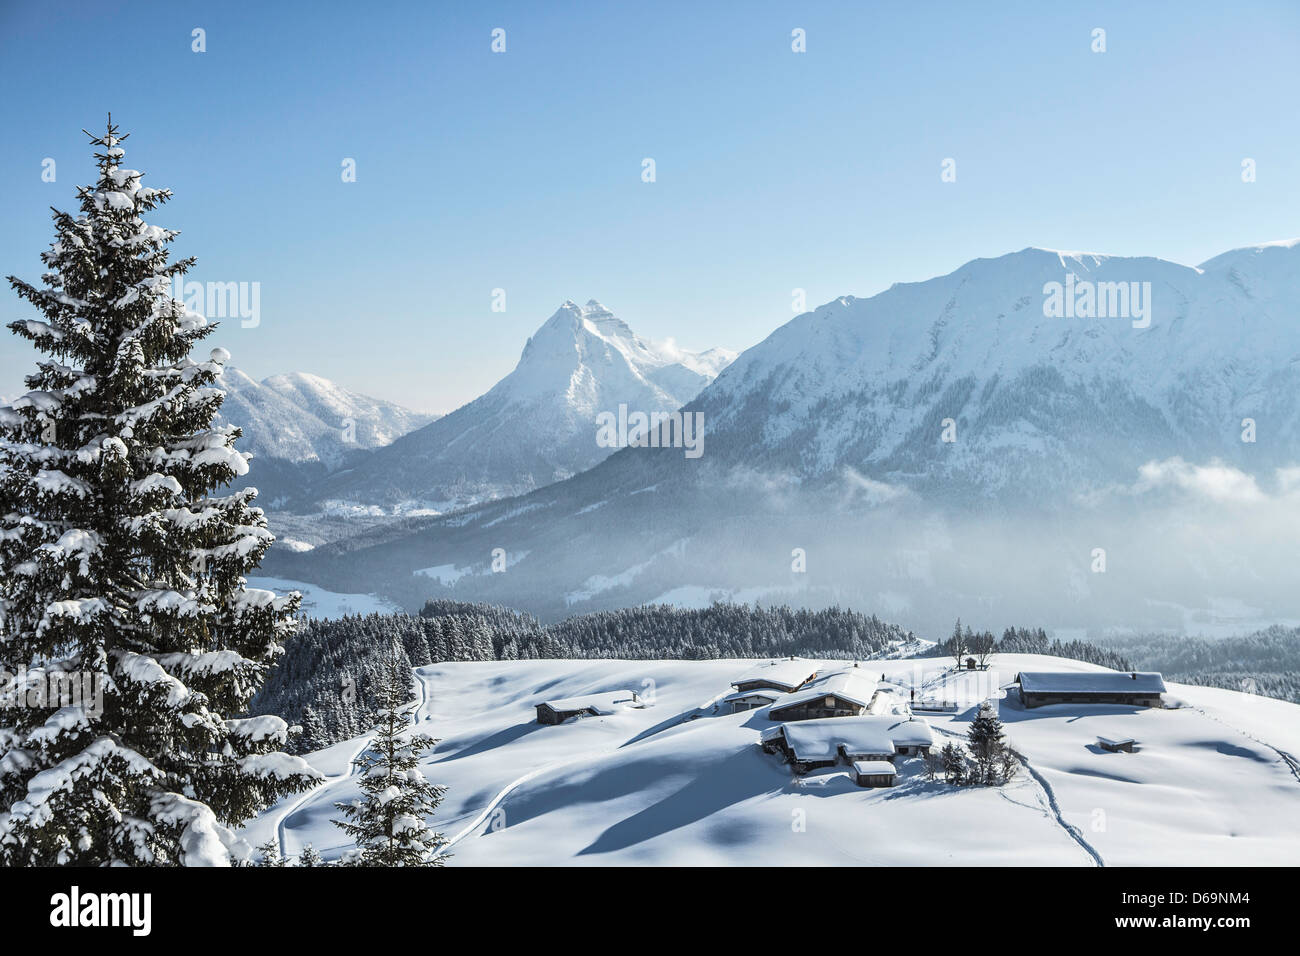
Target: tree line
x,y
331,671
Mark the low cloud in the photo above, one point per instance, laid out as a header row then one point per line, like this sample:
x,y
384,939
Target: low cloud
x,y
872,492
1216,482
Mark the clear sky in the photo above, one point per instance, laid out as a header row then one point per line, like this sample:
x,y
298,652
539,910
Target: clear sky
x,y
522,170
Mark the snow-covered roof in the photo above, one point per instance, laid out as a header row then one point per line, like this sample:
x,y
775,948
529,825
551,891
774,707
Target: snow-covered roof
x,y
865,767
768,693
848,685
1092,682
913,732
787,673
867,734
1116,741
605,703
823,739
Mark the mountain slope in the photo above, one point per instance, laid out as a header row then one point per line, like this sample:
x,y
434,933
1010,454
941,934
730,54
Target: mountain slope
x,y
538,424
300,427
1071,435
1062,403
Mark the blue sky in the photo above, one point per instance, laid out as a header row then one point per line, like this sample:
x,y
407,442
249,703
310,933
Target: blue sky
x,y
522,170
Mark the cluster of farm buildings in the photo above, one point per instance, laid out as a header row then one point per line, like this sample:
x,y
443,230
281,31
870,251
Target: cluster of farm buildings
x,y
841,716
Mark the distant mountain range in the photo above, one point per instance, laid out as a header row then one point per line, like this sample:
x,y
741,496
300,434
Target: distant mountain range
x,y
1006,419
302,427
534,427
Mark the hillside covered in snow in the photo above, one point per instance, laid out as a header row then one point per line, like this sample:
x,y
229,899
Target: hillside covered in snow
x,y
301,427
675,778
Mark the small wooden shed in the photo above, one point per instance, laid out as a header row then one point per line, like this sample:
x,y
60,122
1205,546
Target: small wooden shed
x,y
1117,745
874,773
592,705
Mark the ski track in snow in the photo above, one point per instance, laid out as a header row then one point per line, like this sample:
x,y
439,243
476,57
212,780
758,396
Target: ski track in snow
x,y
1045,790
1291,763
1075,833
505,791
1044,786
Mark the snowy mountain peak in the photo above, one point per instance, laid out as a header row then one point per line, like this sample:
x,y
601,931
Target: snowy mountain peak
x,y
578,338
536,425
592,309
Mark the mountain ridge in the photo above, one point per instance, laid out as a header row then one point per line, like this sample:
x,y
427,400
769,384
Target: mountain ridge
x,y
829,436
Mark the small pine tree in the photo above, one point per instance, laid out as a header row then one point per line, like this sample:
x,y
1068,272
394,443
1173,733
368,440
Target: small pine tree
x,y
314,736
954,763
389,823
309,857
1008,765
957,643
120,564
268,854
987,743
931,764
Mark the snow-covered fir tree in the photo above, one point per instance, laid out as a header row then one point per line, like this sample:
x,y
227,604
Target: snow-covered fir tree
x,y
309,857
268,854
987,745
389,824
313,736
953,759
122,566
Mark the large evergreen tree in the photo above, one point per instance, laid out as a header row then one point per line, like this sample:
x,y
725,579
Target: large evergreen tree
x,y
120,563
389,824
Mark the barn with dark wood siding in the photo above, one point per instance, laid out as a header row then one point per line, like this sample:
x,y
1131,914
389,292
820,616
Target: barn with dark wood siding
x,y
1136,688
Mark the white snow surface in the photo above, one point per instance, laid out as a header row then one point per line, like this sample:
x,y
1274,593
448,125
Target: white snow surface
x,y
1208,785
327,605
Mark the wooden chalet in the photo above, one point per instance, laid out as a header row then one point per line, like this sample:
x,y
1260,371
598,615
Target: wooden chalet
x,y
813,744
844,694
590,705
